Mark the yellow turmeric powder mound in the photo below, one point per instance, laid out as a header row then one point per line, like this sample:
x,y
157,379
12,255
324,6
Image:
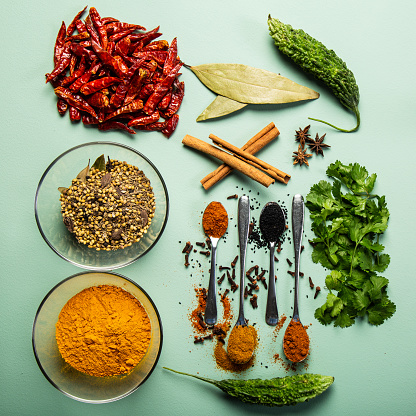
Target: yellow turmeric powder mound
x,y
103,331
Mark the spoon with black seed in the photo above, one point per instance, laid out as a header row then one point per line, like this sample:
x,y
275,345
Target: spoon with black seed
x,y
272,224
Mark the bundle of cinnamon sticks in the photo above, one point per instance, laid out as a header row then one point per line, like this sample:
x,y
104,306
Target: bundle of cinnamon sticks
x,y
242,159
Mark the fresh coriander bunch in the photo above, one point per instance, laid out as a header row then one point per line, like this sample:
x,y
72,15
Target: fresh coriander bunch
x,y
348,227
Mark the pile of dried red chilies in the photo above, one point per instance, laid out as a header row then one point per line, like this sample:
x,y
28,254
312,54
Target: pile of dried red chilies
x,y
116,75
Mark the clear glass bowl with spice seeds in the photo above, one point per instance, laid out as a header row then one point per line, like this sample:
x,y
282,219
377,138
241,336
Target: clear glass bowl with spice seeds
x,y
61,173
76,384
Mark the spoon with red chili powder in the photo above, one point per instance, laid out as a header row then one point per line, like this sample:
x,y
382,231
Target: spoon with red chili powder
x,y
296,339
215,223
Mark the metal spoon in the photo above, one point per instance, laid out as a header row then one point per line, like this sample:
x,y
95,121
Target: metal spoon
x,y
298,209
210,314
243,227
272,225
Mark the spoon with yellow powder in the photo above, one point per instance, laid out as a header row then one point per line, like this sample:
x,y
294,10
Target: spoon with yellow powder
x,y
242,340
296,339
215,223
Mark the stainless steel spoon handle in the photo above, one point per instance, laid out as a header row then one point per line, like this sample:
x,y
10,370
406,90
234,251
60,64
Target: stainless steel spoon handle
x,y
272,316
211,305
243,226
298,213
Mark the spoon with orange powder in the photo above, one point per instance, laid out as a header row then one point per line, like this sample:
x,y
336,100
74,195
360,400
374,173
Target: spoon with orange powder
x,y
215,223
296,339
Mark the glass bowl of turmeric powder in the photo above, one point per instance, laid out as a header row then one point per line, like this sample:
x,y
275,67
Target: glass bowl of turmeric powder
x,y
101,205
97,336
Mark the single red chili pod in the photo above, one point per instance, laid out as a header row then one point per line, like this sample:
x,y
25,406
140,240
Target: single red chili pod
x,y
107,20
158,56
176,101
62,106
102,32
62,64
88,119
108,60
158,126
74,101
146,91
80,36
115,125
72,26
135,105
85,77
59,44
141,121
80,26
99,100
122,34
74,114
79,50
159,45
163,105
135,84
171,58
91,30
98,84
170,126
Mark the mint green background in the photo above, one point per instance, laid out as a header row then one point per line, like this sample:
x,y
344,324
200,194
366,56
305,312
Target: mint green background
x,y
373,366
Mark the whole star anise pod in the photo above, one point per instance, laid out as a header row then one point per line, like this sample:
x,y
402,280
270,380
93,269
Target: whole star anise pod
x,y
301,156
302,135
318,144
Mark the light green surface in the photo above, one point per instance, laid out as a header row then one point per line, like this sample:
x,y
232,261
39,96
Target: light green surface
x,y
374,368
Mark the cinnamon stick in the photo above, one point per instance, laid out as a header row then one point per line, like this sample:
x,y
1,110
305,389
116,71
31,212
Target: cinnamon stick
x,y
249,158
230,160
257,142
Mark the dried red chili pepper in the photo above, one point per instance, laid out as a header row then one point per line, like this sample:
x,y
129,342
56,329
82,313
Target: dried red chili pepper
x,y
143,120
98,84
176,101
91,30
158,126
99,100
62,106
172,57
123,47
122,67
115,27
72,64
158,56
115,125
133,106
74,101
145,38
80,26
62,64
88,119
146,91
163,105
170,126
84,78
161,89
102,32
79,36
158,45
74,114
59,44
73,25
121,35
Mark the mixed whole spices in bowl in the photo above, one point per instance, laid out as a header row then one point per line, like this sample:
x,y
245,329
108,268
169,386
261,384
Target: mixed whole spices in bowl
x,y
103,331
109,206
116,76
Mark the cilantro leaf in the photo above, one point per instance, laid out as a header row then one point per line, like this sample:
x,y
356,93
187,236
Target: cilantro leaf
x,y
347,226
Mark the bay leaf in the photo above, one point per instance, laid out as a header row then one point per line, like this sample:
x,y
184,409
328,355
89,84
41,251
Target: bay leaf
x,y
221,106
99,163
62,189
82,176
250,85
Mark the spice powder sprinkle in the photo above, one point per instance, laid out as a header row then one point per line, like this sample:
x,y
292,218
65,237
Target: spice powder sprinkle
x,y
109,209
103,331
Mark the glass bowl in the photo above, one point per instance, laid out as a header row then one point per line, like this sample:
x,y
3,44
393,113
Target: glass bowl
x,y
60,173
73,383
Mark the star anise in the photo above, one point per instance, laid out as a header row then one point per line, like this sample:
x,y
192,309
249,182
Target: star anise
x,y
301,156
303,136
318,144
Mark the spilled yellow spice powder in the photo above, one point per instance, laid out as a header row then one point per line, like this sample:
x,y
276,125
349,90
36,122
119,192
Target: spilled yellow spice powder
x,y
103,331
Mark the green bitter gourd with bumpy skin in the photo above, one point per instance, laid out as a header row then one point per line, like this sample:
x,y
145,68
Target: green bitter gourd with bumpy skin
x,y
314,57
279,391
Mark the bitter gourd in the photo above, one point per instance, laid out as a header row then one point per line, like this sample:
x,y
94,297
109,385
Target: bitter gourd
x,y
279,391
314,57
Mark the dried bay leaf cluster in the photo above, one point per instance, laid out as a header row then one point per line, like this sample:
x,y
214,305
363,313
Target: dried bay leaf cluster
x,y
109,206
237,85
